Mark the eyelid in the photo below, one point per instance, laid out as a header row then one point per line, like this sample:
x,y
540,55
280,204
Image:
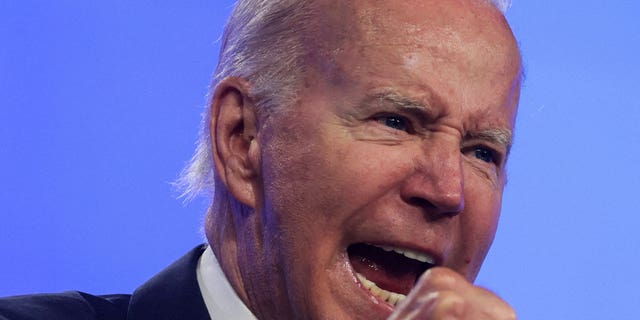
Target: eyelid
x,y
498,155
409,121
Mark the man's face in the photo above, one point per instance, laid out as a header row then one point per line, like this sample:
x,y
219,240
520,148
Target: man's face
x,y
399,143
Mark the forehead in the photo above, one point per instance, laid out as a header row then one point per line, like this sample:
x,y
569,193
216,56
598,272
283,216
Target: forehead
x,y
458,49
463,29
372,17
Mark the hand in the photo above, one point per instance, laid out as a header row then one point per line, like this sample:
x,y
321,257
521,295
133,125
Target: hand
x,y
442,293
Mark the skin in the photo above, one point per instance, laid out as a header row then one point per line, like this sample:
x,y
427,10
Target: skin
x,y
352,163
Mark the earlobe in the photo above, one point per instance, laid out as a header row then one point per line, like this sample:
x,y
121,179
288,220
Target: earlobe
x,y
234,139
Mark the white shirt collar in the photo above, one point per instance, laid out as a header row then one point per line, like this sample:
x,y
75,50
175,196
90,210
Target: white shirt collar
x,y
221,300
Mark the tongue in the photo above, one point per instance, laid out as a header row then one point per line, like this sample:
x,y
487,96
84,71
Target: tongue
x,y
389,270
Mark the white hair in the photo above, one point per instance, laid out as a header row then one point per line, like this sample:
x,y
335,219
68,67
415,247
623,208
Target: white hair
x,y
502,5
263,44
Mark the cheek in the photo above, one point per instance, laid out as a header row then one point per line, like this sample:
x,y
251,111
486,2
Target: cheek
x,y
478,224
302,186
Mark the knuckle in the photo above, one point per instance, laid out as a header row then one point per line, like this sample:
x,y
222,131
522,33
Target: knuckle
x,y
509,314
503,311
450,305
440,278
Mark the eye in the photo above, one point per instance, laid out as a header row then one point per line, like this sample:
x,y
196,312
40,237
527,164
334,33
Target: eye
x,y
485,154
394,121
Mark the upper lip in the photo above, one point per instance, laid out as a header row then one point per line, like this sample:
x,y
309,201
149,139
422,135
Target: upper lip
x,y
410,253
424,254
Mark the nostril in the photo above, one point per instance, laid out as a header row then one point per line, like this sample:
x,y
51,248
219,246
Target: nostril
x,y
437,189
449,208
420,202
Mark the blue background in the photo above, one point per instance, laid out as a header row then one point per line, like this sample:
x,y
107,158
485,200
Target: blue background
x,y
99,110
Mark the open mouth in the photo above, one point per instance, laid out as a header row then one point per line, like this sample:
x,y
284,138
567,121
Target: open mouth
x,y
389,273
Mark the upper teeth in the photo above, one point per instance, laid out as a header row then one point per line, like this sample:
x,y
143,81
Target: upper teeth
x,y
410,254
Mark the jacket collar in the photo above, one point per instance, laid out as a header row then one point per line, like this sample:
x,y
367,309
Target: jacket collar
x,y
171,294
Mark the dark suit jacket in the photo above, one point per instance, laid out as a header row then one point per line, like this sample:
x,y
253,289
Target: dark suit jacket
x,y
172,294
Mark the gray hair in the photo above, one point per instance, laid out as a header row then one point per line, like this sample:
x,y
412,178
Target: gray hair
x,y
263,44
502,5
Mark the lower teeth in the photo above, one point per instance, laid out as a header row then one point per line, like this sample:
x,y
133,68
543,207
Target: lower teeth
x,y
388,296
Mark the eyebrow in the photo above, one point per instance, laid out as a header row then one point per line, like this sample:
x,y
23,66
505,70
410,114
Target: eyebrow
x,y
399,101
503,137
499,136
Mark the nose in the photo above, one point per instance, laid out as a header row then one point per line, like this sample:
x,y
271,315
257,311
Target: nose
x,y
436,181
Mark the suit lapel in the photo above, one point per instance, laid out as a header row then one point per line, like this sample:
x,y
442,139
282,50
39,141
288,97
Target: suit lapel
x,y
172,294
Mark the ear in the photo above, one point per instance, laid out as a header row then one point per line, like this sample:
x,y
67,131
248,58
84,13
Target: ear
x,y
234,140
